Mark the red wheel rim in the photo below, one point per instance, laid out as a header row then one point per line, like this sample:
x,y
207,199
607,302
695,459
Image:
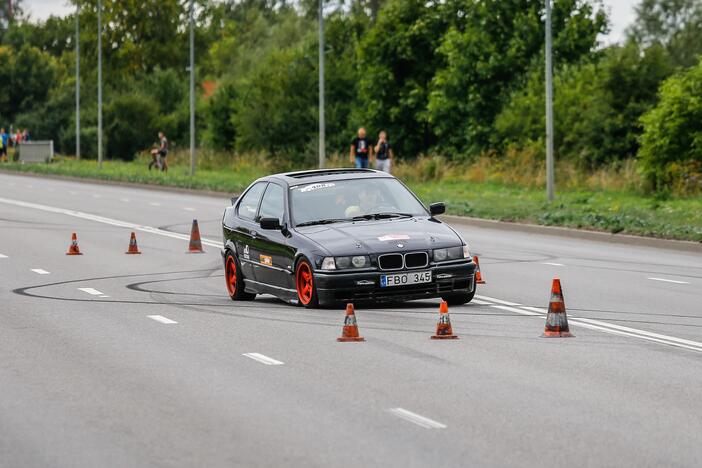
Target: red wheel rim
x,y
230,275
304,282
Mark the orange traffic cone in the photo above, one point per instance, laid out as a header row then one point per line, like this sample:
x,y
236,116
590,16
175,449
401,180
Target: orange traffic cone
x,y
195,242
73,249
350,331
556,319
133,249
443,326
478,277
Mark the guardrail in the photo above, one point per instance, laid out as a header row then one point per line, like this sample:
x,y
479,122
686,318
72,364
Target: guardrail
x,y
36,151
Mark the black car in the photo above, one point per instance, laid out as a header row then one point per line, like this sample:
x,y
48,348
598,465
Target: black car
x,y
327,237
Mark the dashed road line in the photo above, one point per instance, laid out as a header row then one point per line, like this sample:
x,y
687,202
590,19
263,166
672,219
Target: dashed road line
x,y
3,256
39,271
92,292
97,195
552,263
187,208
162,319
479,302
125,200
263,359
153,203
417,419
669,280
499,301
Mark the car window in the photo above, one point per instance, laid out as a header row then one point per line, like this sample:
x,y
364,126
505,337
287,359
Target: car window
x,y
249,203
273,205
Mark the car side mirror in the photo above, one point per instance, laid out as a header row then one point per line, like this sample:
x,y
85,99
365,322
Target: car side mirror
x,y
271,224
437,208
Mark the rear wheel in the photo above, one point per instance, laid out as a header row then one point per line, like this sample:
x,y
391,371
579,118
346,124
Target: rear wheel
x,y
460,298
305,284
235,279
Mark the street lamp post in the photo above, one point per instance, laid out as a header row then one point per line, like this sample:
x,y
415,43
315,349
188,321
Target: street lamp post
x,y
77,80
549,107
322,145
99,47
192,88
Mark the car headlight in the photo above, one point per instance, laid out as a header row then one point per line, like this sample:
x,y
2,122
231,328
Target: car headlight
x,y
328,263
451,253
357,261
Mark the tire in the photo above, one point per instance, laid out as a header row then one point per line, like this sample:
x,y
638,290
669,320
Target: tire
x,y
460,298
234,279
305,284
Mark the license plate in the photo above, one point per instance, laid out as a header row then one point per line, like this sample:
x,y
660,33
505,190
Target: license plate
x,y
402,279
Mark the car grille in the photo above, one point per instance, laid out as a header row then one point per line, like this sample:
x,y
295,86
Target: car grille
x,y
416,260
390,261
401,293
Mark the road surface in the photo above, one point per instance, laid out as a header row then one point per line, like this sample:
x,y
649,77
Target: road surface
x,y
115,360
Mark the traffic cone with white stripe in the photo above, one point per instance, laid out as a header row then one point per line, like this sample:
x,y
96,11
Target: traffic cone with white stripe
x,y
444,331
478,276
556,319
133,249
73,248
350,330
195,245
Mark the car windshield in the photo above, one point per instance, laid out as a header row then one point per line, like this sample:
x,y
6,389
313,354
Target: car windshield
x,y
358,199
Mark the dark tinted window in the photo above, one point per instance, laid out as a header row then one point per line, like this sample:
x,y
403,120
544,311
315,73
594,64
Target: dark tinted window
x,y
273,205
249,203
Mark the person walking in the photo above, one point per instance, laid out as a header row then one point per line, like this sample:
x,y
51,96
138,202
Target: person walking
x,y
361,151
383,153
163,151
3,145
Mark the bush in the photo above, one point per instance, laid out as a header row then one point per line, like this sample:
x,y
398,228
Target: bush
x,y
131,124
671,144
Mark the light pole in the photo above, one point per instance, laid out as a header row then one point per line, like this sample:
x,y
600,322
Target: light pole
x,y
192,88
99,47
549,107
77,80
322,145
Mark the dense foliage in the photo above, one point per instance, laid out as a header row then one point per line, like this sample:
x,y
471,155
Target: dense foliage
x,y
460,78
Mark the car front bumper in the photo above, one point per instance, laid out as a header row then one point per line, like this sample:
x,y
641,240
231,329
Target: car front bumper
x,y
350,286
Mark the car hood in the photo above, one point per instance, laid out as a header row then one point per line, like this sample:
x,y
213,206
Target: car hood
x,y
380,236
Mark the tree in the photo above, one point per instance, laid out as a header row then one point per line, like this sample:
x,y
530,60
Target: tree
x,y
671,144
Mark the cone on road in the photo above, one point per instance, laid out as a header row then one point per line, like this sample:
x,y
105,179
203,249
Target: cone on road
x,y
478,277
73,248
556,319
443,326
195,242
350,330
133,249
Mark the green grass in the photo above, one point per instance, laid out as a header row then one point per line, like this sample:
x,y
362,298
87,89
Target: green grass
x,y
609,211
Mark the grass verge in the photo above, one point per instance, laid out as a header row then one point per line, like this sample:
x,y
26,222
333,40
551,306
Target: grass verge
x,y
595,209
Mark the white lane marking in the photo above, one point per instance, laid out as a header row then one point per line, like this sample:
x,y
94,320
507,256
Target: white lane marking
x,y
417,419
91,291
669,280
97,195
72,192
264,359
552,264
162,319
29,186
104,220
187,208
3,256
492,299
518,311
153,203
104,295
39,271
479,302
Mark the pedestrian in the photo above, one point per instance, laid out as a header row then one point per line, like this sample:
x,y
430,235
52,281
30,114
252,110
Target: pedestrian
x,y
163,151
3,145
25,135
361,150
383,153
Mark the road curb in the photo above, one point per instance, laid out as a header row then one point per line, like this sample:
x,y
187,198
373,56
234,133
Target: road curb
x,y
679,245
628,239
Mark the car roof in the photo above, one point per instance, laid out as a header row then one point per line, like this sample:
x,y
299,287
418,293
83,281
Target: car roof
x,y
324,175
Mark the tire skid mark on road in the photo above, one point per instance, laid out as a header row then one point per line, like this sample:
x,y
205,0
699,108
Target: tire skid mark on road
x,y
417,419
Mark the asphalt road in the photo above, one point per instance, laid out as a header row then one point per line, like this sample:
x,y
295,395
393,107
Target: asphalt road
x,y
146,366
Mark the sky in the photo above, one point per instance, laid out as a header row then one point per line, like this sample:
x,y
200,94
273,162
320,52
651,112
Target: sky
x,y
621,14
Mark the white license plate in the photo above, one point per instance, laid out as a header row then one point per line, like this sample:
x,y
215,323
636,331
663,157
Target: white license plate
x,y
402,279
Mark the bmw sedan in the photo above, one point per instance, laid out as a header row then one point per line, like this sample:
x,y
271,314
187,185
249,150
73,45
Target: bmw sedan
x,y
333,236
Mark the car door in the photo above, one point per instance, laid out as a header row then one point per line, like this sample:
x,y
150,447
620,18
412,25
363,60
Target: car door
x,y
275,255
247,229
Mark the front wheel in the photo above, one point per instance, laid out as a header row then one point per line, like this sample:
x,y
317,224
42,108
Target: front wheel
x,y
235,279
305,284
460,298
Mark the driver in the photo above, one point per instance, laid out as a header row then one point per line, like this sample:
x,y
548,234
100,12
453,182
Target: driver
x,y
368,198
